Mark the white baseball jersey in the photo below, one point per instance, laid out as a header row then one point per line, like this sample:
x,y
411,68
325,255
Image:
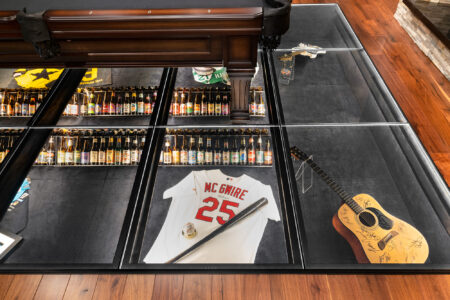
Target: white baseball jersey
x,y
208,199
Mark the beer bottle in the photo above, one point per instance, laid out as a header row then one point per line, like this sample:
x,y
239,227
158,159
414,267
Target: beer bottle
x,y
105,103
155,97
126,108
39,98
175,152
235,153
208,152
167,152
77,152
110,151
259,152
112,103
69,152
3,103
102,152
189,104
119,105
200,151
148,103
226,153
133,105
204,104
243,152
85,159
261,108
42,155
25,104
218,103
135,152
211,106
98,104
251,151
75,107
84,105
197,105
18,105
141,103
118,151
62,152
50,159
217,153
10,105
225,104
94,152
175,104
91,104
192,153
183,105
253,105
268,154
141,147
184,153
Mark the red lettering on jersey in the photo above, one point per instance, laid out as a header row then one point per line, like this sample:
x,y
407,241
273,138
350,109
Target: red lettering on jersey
x,y
213,189
207,187
228,190
236,193
243,194
222,188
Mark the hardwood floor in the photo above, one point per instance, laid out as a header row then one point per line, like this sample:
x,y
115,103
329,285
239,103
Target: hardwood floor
x,y
422,93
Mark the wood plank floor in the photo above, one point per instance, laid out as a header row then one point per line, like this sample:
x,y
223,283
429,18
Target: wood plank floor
x,y
422,93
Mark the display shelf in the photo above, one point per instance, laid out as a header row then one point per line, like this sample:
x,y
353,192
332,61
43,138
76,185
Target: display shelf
x,y
337,87
386,163
321,25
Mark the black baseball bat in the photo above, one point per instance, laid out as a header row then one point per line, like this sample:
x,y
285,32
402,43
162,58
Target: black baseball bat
x,y
239,217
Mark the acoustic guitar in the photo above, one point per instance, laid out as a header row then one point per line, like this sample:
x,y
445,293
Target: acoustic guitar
x,y
375,236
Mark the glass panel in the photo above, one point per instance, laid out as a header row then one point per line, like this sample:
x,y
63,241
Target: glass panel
x,y
336,87
203,97
385,171
200,186
113,96
79,190
319,25
22,92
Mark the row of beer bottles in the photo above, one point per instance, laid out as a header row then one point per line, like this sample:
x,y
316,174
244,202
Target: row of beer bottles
x,y
212,102
92,150
20,102
233,150
6,144
112,101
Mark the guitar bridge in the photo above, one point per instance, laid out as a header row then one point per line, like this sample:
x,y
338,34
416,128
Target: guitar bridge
x,y
383,242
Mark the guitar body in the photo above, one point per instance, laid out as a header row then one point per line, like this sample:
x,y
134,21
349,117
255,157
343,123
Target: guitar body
x,y
377,237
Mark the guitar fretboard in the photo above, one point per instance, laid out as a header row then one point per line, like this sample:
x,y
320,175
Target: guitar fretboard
x,y
300,155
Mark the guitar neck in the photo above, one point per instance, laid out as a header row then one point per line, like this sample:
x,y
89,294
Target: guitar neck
x,y
346,198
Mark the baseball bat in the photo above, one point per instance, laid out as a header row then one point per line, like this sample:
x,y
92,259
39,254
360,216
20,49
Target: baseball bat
x,y
237,218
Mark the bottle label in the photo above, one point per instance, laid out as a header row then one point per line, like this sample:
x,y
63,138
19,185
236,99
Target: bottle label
x,y
133,107
225,109
94,157
243,156
126,108
210,108
101,157
98,109
50,159
217,158
83,109
148,108
176,157
112,108
192,159
105,109
61,157
109,157
261,109
204,108
183,109
32,109
126,157
189,108
200,157
118,155
208,157
91,108
176,109
134,156
119,109
183,157
218,109
69,158
74,111
197,109
24,109
251,156
226,158
267,157
167,158
253,108
259,157
85,158
234,157
141,108
77,157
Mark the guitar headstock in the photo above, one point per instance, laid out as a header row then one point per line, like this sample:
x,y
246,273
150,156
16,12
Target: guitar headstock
x,y
298,154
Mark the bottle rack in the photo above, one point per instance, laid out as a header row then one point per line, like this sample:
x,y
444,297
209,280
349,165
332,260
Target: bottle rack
x,y
20,103
218,139
88,144
212,102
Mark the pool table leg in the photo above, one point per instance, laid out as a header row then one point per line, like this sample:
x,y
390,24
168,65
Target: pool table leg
x,y
240,87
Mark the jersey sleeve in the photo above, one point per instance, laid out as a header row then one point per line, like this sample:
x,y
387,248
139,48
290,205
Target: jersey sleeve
x,y
271,210
185,185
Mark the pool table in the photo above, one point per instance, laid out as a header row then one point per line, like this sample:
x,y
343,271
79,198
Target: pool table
x,y
100,33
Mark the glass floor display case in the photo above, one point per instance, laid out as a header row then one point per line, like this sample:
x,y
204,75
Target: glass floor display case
x,y
144,169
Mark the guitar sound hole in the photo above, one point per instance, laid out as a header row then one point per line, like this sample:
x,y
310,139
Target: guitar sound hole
x,y
367,219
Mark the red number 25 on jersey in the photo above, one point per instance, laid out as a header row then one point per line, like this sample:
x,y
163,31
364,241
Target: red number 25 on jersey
x,y
215,203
